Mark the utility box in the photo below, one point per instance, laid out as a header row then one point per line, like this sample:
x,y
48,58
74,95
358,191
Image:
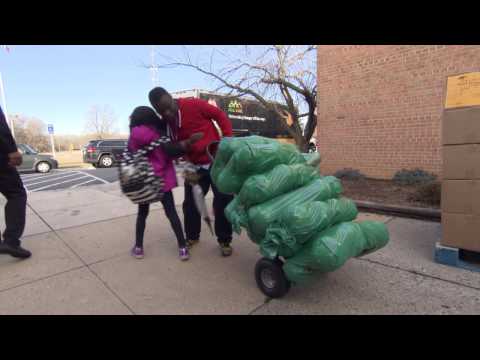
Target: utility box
x,y
461,163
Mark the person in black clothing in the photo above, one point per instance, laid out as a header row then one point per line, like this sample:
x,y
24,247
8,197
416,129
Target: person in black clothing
x,y
11,187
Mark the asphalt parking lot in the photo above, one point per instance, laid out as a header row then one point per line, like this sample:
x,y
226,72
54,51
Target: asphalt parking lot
x,y
73,178
68,179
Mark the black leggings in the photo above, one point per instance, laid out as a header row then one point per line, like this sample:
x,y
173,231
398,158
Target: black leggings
x,y
170,212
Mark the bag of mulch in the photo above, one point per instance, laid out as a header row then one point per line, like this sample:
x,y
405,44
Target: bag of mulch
x,y
261,216
301,222
330,249
252,159
280,180
236,214
228,147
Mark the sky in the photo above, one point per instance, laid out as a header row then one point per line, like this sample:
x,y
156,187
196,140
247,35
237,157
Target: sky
x,y
58,84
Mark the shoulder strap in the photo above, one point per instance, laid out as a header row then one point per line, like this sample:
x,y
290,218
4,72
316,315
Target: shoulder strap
x,y
152,146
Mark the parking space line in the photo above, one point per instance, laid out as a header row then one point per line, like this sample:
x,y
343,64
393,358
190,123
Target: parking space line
x,y
55,184
43,177
83,183
43,181
105,182
30,176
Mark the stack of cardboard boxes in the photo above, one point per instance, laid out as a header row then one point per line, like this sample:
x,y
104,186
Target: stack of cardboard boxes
x,y
461,163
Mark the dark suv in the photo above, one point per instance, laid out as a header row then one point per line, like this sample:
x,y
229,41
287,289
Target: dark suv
x,y
104,153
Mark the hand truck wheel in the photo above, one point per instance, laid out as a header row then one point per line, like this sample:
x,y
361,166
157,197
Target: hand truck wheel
x,y
270,278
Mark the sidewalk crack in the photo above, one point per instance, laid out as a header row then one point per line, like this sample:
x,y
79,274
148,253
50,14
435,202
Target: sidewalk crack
x,y
265,302
415,272
42,278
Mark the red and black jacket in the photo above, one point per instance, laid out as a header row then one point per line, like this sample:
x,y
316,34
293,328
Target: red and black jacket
x,y
196,115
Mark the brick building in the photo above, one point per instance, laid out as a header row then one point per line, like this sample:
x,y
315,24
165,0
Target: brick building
x,y
380,106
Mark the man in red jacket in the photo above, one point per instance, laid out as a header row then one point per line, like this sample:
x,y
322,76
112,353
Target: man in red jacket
x,y
186,117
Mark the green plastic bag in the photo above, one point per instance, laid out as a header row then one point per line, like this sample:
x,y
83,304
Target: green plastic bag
x,y
313,158
236,215
301,222
305,220
330,249
228,146
257,158
252,159
278,242
280,180
261,216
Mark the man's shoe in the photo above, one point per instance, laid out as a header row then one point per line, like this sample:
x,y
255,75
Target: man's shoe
x,y
190,243
15,251
226,249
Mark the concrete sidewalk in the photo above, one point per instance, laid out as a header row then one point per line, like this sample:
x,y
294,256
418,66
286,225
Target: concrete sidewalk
x,y
81,239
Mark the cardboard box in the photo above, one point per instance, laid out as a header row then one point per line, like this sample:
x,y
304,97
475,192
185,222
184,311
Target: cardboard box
x,y
463,90
461,126
461,162
461,231
461,196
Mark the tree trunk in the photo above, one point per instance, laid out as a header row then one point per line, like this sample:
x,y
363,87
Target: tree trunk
x,y
300,142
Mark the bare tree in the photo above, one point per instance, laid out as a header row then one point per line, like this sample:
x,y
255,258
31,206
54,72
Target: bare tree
x,y
31,131
101,121
281,77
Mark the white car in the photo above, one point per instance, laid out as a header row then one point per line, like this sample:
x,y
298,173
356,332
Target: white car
x,y
312,146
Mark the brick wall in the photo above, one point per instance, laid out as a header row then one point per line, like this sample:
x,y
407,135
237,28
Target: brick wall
x,y
380,106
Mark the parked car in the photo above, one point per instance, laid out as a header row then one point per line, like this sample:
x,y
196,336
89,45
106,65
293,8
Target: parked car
x,y
33,160
104,153
312,146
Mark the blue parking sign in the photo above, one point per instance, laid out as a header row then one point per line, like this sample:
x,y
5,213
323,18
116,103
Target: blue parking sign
x,y
50,128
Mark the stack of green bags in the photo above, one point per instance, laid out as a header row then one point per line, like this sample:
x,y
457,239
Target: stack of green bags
x,y
289,209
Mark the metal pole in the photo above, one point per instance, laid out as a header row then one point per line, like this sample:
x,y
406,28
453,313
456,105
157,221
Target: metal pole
x,y
53,145
9,122
153,66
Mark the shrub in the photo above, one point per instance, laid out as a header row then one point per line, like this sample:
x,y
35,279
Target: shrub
x,y
349,174
429,193
413,177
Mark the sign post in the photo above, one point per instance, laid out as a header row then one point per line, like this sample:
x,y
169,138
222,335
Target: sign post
x,y
50,131
5,111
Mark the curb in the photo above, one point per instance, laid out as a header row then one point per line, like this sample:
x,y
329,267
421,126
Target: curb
x,y
401,211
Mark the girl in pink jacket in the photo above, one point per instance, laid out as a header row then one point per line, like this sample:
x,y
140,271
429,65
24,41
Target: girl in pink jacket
x,y
146,126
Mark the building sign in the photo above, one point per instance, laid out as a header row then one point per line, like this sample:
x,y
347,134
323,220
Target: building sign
x,y
235,107
248,117
463,90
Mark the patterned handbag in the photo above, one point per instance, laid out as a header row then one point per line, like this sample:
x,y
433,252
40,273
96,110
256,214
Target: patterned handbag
x,y
137,179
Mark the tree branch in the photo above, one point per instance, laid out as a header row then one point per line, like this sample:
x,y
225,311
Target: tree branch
x,y
278,74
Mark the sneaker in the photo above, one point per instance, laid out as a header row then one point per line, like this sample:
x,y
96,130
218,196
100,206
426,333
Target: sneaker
x,y
190,243
184,254
15,251
137,252
226,249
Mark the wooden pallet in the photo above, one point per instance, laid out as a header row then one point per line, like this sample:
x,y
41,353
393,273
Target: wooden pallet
x,y
460,258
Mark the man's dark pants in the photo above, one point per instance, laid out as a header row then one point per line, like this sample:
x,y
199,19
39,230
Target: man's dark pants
x,y
11,187
192,220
